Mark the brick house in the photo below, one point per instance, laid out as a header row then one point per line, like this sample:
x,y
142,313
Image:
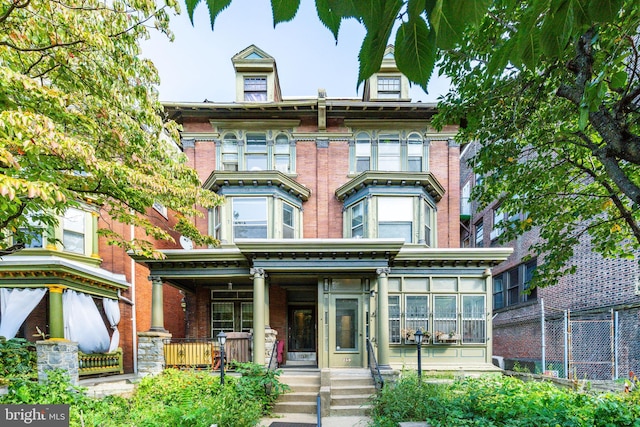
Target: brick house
x,y
339,228
592,318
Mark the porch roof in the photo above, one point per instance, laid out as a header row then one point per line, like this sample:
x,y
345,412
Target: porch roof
x,y
189,269
23,271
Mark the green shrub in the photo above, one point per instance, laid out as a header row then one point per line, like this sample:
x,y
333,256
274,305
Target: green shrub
x,y
497,401
260,384
17,358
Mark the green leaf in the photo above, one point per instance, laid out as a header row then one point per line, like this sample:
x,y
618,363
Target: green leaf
x,y
379,17
415,51
450,18
415,8
284,10
584,118
618,80
604,10
215,7
191,6
332,12
557,28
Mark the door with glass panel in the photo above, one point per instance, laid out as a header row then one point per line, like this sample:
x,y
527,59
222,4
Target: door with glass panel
x,y
346,322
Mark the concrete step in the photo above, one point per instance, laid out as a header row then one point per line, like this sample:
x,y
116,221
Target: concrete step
x,y
308,397
294,408
369,389
349,410
352,399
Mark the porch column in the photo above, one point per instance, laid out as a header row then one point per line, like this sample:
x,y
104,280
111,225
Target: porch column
x,y
382,317
267,313
157,305
56,317
258,315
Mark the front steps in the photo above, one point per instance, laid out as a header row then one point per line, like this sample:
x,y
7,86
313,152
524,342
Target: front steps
x,y
302,398
351,392
345,392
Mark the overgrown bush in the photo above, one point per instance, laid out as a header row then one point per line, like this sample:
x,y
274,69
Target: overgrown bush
x,y
496,401
17,359
173,398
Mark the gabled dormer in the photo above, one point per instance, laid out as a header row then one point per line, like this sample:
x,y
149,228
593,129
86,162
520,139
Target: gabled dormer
x,y
256,76
388,84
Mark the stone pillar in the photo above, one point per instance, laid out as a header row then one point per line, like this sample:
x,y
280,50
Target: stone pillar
x,y
270,336
56,317
57,354
151,352
258,315
157,305
382,317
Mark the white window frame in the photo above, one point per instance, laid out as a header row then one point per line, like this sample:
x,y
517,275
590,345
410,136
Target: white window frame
x,y
389,152
254,90
389,87
390,212
74,226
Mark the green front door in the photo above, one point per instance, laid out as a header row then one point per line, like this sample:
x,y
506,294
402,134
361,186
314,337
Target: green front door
x,y
346,338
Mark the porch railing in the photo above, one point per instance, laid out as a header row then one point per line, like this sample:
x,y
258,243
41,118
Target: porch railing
x,y
204,353
100,363
373,366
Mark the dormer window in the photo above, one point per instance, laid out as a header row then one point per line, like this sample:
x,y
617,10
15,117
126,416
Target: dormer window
x,y
255,89
389,87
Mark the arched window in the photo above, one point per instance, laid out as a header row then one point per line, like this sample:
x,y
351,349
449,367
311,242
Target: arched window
x,y
414,153
281,154
230,152
363,152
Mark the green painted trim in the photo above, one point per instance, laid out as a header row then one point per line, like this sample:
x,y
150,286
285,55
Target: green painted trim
x,y
425,180
219,179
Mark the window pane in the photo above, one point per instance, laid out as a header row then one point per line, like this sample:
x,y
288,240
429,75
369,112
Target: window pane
x,y
397,230
255,89
444,314
394,319
416,313
479,235
388,87
363,152
514,286
473,319
230,153
250,217
414,153
73,233
389,153
357,220
395,208
246,317
346,324
498,292
287,222
221,317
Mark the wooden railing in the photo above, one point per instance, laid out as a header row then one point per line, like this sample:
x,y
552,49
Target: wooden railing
x,y
204,353
100,363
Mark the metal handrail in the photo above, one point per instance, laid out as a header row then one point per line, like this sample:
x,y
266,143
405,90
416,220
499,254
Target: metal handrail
x,y
373,366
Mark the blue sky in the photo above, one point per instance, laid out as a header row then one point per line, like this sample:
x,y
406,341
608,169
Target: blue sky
x,y
197,65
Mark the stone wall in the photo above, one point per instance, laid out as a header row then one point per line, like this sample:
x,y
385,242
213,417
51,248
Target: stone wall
x,y
57,354
151,352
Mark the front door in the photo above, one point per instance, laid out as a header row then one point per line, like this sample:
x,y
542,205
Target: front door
x,y
346,321
302,335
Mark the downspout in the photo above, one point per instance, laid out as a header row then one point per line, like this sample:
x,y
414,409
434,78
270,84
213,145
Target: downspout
x,y
134,324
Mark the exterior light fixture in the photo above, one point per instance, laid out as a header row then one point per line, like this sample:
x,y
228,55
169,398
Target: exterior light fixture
x,y
222,339
418,337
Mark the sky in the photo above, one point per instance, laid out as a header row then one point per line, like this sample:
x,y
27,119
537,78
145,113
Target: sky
x,y
197,64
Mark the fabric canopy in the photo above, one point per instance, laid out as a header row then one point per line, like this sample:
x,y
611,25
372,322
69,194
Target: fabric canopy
x,y
15,305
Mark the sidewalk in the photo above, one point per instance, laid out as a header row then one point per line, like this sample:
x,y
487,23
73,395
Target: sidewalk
x,y
310,419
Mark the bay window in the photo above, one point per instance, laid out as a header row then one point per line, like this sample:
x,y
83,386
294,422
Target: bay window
x,y
250,217
395,217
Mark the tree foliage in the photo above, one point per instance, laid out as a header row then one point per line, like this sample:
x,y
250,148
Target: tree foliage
x,y
80,120
548,88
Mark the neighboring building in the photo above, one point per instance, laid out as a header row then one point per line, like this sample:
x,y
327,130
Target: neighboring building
x,y
592,318
340,227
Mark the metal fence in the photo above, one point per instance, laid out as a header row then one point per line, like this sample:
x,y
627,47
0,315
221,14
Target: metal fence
x,y
580,344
